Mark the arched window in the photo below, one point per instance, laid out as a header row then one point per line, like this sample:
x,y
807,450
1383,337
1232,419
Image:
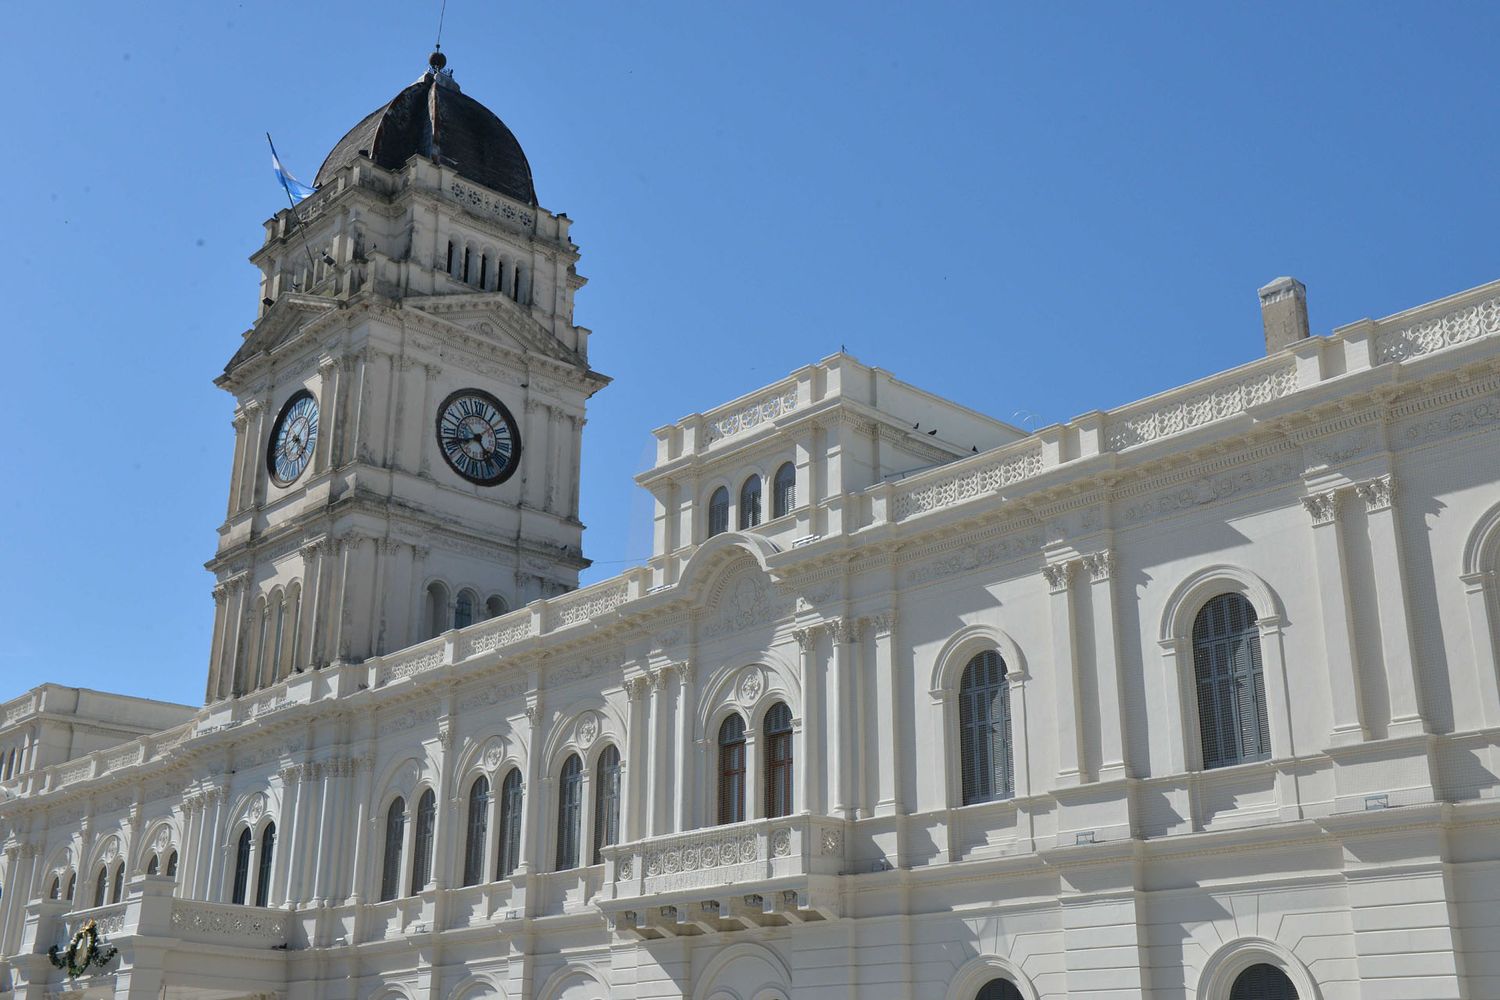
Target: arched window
x,y
172,865
463,610
999,989
242,867
101,886
56,891
494,606
72,885
263,876
437,609
10,765
449,267
732,770
477,829
1231,684
510,824
273,673
262,647
784,490
984,730
778,760
154,865
421,863
484,271
569,808
606,802
718,512
750,503
1263,982
118,889
390,865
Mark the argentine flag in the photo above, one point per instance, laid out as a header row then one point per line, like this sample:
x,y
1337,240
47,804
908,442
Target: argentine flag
x,y
294,188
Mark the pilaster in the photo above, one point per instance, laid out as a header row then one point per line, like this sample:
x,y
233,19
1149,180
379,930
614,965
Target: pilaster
x,y
1389,565
1059,576
1338,618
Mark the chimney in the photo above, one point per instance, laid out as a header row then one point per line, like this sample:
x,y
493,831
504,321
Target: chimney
x,y
1283,312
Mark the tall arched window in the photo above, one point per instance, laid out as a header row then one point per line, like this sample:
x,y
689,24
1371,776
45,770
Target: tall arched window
x,y
778,757
72,885
101,886
390,865
463,610
273,674
732,770
119,885
437,609
1263,982
750,503
476,830
984,730
172,865
1231,685
784,490
153,866
56,891
718,512
999,989
494,606
569,808
510,824
263,874
606,802
242,867
421,845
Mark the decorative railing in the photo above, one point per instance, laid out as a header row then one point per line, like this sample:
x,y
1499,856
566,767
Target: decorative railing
x,y
739,416
1199,404
16,710
413,660
110,919
583,605
949,485
497,633
220,923
1470,321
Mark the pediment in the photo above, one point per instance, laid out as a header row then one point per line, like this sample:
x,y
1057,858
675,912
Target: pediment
x,y
281,323
743,597
497,320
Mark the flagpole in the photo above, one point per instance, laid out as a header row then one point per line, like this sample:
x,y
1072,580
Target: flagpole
x,y
292,202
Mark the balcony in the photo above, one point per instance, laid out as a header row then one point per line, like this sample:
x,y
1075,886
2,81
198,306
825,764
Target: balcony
x,y
761,873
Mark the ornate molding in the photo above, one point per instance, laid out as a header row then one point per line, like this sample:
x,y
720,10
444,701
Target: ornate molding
x,y
1323,508
1378,493
1059,575
766,408
1100,565
1481,319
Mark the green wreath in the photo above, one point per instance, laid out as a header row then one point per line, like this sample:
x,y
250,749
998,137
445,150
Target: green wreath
x,y
83,951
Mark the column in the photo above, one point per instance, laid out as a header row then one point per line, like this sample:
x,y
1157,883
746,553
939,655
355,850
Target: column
x,y
253,489
310,614
364,771
441,832
1477,588
327,847
281,889
234,623
809,791
533,435
571,468
838,702
1112,751
686,709
891,751
1338,621
633,790
327,393
531,856
1065,673
215,853
656,791
216,644
186,856
1389,566
237,466
304,849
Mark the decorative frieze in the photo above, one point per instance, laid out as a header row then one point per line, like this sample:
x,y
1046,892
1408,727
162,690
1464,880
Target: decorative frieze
x,y
962,486
1136,427
974,557
1460,326
766,408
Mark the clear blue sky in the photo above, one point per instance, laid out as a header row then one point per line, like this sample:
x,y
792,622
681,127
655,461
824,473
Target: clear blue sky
x,y
1046,208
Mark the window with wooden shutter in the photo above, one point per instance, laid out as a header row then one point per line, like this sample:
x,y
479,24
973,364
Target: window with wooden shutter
x,y
390,866
241,867
718,512
750,503
263,872
1263,982
476,830
421,846
1232,721
606,802
732,770
999,989
510,824
778,757
985,750
569,812
784,490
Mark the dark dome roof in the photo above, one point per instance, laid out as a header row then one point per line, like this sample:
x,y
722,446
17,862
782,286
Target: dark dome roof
x,y
435,119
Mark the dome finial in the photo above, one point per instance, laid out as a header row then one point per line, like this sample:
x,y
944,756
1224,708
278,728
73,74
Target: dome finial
x,y
437,60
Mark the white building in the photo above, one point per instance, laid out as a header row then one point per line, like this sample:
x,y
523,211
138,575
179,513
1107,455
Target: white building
x,y
1195,698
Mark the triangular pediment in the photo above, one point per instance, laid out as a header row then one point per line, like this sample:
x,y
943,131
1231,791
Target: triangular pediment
x,y
281,323
498,320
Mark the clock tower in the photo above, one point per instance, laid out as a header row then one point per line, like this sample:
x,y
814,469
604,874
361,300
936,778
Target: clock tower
x,y
410,400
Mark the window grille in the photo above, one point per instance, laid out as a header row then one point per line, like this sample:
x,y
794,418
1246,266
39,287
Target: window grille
x,y
1231,684
510,823
263,876
718,512
784,490
569,808
390,868
732,770
999,989
242,867
478,829
1263,982
778,760
606,802
421,859
985,750
750,503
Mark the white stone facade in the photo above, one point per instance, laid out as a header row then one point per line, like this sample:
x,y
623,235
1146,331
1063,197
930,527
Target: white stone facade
x,y
1347,487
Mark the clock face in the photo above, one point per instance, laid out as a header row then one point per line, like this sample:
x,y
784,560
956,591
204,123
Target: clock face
x,y
293,439
478,437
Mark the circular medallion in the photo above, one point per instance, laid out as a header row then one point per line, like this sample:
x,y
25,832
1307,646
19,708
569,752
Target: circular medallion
x,y
478,437
293,439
